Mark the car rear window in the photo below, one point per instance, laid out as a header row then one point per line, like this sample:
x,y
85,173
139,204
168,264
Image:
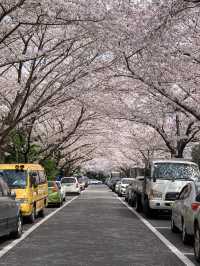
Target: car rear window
x,y
68,180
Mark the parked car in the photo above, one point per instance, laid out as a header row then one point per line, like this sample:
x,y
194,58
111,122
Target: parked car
x,y
197,229
124,183
10,215
95,182
54,194
183,211
62,191
117,187
70,185
81,183
29,182
163,180
113,182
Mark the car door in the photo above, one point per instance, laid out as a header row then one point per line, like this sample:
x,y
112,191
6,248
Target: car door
x,y
178,208
3,212
12,209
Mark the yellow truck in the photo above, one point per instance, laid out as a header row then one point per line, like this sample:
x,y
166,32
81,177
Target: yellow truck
x,y
29,183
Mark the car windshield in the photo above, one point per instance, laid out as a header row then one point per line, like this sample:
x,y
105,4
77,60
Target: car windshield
x,y
14,178
68,180
126,181
173,171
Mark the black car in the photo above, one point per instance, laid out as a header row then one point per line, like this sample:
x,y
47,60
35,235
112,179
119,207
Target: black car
x,y
10,218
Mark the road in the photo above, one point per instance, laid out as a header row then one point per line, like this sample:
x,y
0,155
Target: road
x,y
96,229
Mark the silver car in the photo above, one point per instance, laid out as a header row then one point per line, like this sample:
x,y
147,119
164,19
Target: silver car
x,y
10,217
184,210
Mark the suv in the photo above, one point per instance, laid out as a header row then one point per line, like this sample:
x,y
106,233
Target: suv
x,y
10,217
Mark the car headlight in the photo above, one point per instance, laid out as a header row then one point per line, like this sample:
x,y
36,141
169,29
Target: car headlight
x,y
155,194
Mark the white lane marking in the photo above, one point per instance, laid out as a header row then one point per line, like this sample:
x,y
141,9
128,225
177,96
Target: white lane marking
x,y
176,251
162,227
33,228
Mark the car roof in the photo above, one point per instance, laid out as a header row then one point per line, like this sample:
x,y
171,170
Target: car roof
x,y
180,160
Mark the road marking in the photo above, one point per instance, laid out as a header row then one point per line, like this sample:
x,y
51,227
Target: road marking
x,y
33,228
175,250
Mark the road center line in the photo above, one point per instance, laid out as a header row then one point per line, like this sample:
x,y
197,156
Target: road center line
x,y
176,251
33,228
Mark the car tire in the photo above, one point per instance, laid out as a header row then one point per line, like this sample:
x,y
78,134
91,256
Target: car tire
x,y
42,213
147,209
197,243
185,237
174,228
138,206
32,217
133,202
19,228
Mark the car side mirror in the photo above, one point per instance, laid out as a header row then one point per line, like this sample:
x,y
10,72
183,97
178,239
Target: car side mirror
x,y
13,195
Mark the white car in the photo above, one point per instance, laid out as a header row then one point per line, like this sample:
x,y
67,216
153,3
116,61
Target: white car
x,y
124,183
117,187
62,190
70,185
184,210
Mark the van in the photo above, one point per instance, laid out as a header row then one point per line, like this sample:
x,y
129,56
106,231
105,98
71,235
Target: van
x,y
29,183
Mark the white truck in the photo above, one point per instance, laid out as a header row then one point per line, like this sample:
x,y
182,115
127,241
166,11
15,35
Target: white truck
x,y
162,182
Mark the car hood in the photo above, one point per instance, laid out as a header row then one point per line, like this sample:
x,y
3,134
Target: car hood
x,y
165,186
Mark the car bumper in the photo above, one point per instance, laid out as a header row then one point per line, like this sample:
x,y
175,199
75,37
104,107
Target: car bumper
x,y
72,190
160,204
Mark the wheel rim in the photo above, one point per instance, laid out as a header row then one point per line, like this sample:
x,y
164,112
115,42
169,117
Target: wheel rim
x,y
197,242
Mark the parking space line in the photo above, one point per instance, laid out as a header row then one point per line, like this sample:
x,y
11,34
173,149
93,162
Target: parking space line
x,y
167,243
33,228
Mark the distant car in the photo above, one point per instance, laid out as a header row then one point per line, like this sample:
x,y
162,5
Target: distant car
x,y
62,191
81,183
117,187
54,194
95,182
184,209
124,183
10,216
113,182
70,185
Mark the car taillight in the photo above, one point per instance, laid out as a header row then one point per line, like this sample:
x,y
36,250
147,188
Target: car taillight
x,y
195,205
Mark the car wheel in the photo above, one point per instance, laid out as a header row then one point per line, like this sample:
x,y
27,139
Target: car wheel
x,y
147,209
18,232
174,228
42,213
138,206
185,236
197,243
32,217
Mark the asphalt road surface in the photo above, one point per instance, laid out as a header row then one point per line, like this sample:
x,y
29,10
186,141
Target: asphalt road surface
x,y
96,229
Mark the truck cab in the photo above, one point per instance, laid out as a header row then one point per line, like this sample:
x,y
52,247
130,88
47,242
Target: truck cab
x,y
162,182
